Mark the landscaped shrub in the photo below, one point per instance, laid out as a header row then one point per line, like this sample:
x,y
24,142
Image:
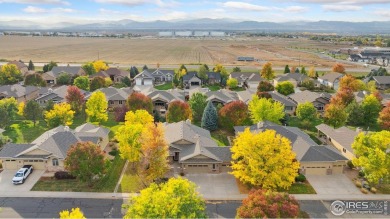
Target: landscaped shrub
x,y
350,164
113,152
363,190
373,190
63,175
300,178
361,174
1,166
358,184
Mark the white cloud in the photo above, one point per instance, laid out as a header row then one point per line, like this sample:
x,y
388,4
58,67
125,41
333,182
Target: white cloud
x,y
294,9
344,2
53,2
341,8
37,10
245,6
383,13
131,3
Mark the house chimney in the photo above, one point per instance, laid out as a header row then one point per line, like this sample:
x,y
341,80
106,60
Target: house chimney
x,y
188,121
260,125
66,128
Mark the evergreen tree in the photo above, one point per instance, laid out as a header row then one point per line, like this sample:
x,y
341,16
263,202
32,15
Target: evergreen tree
x,y
236,69
210,117
145,67
297,70
286,69
134,71
31,66
303,70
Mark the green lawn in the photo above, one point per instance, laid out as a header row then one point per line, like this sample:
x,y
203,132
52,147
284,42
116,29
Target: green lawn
x,y
384,189
220,136
301,188
213,87
166,86
130,182
106,184
24,131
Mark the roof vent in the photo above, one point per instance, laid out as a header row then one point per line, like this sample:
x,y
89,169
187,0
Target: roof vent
x,y
66,128
50,90
188,121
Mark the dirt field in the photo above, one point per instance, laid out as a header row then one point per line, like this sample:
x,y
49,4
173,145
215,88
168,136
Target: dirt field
x,y
279,51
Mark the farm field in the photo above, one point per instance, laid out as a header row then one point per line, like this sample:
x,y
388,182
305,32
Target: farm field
x,y
140,51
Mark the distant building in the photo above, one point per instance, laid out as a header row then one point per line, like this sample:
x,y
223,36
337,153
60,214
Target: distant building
x,y
165,34
183,33
201,33
245,59
217,34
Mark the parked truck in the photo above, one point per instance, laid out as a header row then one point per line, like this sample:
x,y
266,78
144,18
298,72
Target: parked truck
x,y
22,174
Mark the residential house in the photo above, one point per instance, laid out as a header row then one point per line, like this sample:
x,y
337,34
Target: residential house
x,y
313,158
57,95
330,80
295,78
49,151
117,75
193,149
222,97
247,79
19,92
289,105
191,79
341,138
154,76
116,97
51,76
162,98
23,68
382,82
360,95
319,100
213,78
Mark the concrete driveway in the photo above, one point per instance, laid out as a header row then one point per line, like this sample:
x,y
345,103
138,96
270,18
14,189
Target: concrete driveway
x,y
6,184
333,184
221,186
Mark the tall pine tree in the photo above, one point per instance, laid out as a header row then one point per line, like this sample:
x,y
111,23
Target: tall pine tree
x,y
210,117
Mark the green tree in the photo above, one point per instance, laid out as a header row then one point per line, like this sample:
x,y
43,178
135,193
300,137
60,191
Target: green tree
x,y
306,112
126,80
265,109
49,66
303,70
210,117
232,83
96,107
133,71
88,68
34,80
371,108
372,152
49,105
202,73
178,111
285,88
198,102
145,67
10,74
258,156
236,69
265,86
335,115
61,114
178,193
31,66
32,111
286,69
96,83
8,111
85,160
224,74
355,114
64,79
268,204
82,82
267,72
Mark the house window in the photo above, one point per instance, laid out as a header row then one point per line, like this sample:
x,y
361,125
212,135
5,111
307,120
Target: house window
x,y
214,166
344,150
55,162
111,102
289,108
121,102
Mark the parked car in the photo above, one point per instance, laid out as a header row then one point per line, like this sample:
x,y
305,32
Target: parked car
x,y
22,174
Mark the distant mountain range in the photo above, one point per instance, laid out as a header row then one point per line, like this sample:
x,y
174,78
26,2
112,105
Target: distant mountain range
x,y
341,27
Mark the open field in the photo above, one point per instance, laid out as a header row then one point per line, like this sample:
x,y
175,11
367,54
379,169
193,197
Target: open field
x,y
279,51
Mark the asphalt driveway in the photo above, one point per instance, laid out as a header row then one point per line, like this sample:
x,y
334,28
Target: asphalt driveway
x,y
7,185
221,186
333,184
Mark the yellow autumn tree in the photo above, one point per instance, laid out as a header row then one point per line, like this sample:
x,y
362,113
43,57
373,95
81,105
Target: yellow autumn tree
x,y
267,72
75,213
264,159
99,65
128,135
312,72
107,82
96,107
61,114
21,107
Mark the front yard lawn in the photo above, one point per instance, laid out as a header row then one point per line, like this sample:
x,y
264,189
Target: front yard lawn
x,y
106,184
23,131
213,87
130,182
166,86
383,189
220,136
301,188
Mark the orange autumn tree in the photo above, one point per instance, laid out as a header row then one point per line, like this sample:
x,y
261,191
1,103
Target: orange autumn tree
x,y
138,101
384,117
178,111
338,67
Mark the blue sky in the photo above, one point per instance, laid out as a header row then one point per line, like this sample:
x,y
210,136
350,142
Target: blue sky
x,y
84,11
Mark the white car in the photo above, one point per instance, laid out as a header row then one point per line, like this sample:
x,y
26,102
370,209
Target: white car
x,y
22,174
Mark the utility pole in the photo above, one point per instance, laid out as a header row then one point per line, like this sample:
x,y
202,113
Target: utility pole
x,y
299,60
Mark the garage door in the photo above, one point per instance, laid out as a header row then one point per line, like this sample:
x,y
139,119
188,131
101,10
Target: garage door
x,y
338,169
225,168
10,165
198,168
37,164
315,171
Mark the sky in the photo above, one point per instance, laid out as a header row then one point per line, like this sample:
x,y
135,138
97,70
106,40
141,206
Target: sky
x,y
87,11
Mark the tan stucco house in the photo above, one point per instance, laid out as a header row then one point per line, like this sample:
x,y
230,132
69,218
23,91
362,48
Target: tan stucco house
x,y
48,151
19,92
